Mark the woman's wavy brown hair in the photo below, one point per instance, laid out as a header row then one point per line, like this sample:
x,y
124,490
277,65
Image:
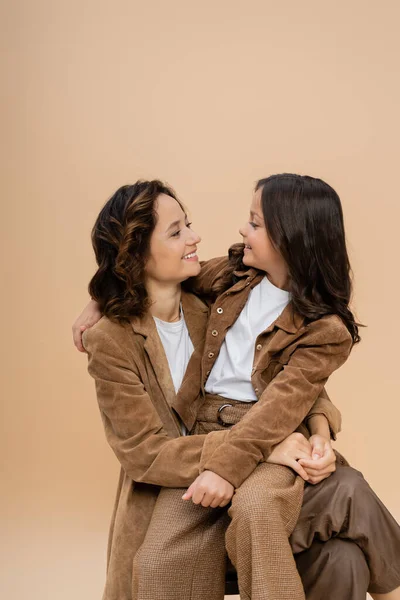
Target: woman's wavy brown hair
x,y
121,242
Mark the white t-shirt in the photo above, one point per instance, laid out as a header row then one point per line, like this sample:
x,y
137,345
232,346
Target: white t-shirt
x,y
177,345
230,376
178,348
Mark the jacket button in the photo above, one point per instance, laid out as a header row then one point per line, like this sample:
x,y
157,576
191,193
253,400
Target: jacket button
x,y
256,390
259,346
208,372
214,332
210,354
220,310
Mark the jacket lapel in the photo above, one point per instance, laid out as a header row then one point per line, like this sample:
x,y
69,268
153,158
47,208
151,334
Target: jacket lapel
x,y
189,398
156,354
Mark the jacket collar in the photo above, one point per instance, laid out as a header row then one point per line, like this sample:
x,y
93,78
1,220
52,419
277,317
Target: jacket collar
x,y
289,320
191,306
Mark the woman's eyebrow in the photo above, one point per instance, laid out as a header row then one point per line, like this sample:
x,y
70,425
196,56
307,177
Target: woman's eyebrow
x,y
173,225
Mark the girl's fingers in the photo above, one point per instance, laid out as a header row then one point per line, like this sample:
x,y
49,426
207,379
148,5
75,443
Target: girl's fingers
x,y
315,473
315,480
301,455
320,463
298,468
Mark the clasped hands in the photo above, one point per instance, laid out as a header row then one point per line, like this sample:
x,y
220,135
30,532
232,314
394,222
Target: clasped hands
x,y
312,459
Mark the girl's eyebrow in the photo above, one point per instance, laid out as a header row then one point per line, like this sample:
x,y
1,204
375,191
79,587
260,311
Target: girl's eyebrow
x,y
255,215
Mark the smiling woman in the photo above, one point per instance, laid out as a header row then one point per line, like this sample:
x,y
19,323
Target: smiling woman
x,y
141,236
172,256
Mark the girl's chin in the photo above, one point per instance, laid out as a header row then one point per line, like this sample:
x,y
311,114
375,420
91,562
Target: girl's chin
x,y
247,258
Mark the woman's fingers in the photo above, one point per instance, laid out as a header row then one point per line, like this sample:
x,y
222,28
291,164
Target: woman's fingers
x,y
189,492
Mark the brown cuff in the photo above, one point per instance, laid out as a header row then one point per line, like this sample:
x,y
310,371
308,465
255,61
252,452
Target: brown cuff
x,y
213,440
333,417
231,463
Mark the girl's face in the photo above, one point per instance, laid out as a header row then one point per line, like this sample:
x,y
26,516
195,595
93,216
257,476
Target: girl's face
x,y
173,245
259,251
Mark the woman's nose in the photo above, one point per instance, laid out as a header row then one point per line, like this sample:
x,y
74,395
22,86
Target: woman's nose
x,y
196,239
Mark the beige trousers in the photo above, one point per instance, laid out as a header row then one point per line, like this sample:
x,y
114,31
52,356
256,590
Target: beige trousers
x,y
183,555
262,516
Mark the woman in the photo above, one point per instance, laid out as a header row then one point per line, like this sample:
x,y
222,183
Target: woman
x,y
103,345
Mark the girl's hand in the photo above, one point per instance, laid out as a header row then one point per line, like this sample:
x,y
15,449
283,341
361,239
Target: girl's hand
x,y
209,489
288,453
86,319
322,462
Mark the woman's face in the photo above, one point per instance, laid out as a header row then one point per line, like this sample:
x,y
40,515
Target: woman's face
x,y
259,251
173,245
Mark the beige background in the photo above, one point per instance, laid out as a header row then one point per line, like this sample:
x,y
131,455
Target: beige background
x,y
209,96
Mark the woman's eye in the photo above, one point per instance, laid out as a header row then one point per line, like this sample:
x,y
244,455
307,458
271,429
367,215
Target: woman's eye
x,y
253,224
189,225
176,234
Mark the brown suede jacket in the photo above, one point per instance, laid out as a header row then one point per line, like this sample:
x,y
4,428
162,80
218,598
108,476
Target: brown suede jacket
x,y
138,404
292,362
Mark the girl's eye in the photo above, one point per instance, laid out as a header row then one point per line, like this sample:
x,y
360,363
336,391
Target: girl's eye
x,y
253,224
189,225
176,234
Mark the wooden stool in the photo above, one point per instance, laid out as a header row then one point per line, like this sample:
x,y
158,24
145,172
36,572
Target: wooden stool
x,y
231,582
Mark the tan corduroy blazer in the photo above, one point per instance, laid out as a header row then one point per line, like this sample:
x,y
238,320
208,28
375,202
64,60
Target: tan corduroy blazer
x,y
137,403
292,362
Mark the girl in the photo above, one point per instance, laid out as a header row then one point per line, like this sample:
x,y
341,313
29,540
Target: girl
x,y
300,340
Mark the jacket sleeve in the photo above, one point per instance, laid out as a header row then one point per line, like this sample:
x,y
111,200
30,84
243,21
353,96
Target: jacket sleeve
x,y
284,403
211,271
132,425
324,406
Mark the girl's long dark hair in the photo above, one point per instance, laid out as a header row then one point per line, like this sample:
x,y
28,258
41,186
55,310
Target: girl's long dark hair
x,y
304,221
121,243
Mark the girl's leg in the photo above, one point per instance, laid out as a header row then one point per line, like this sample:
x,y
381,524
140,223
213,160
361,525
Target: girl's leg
x,y
344,505
264,512
183,554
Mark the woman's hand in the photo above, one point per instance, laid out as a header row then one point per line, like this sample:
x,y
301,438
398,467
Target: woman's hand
x,y
86,319
288,453
209,489
322,462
